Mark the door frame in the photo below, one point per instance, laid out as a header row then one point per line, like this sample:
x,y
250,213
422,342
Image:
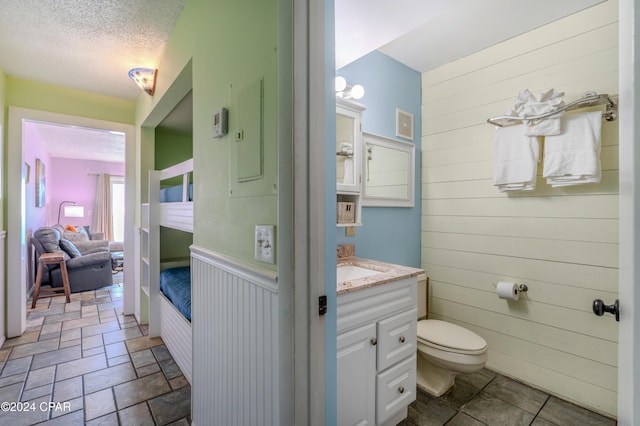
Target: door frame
x,y
629,225
16,240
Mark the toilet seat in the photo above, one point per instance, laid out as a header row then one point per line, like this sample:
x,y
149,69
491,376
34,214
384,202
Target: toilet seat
x,y
450,337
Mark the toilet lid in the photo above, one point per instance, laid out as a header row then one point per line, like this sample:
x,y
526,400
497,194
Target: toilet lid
x,y
450,335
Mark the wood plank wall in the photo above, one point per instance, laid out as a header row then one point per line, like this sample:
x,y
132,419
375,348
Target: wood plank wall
x,y
563,243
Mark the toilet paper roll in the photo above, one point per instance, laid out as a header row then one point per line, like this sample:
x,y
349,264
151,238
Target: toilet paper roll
x,y
508,291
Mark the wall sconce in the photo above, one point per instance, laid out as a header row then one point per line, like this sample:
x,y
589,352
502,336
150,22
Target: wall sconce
x,y
145,78
70,211
346,91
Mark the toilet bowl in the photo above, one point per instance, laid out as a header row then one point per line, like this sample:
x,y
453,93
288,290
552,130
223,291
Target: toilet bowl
x,y
445,350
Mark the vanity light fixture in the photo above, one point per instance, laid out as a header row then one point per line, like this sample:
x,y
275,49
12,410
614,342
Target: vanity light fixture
x,y
346,91
145,78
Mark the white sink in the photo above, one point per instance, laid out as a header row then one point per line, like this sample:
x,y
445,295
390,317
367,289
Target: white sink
x,y
352,272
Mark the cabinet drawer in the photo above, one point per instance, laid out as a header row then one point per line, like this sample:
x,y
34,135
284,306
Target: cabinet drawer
x,y
396,389
396,338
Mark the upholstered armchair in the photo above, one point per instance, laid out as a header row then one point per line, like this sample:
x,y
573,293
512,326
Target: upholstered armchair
x,y
89,268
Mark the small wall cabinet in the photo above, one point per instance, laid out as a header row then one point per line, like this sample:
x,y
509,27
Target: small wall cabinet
x,y
377,353
348,156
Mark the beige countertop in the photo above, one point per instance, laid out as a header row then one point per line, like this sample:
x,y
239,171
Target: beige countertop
x,y
389,273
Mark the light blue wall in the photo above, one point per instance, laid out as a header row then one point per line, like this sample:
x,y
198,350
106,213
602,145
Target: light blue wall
x,y
387,234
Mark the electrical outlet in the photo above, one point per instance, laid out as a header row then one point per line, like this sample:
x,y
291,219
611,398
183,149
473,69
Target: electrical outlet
x,y
265,243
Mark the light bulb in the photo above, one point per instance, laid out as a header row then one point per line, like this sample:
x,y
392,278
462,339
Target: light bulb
x,y
357,91
341,84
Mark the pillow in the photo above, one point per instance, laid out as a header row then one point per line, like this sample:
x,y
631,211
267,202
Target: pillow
x,y
71,228
74,237
68,247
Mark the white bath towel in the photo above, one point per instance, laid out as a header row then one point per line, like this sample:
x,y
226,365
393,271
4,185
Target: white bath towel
x,y
527,105
515,159
573,157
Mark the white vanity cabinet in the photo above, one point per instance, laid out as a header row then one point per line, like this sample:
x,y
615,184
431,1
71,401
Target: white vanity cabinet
x,y
377,353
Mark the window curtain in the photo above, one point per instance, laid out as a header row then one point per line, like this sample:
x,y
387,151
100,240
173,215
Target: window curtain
x,y
102,211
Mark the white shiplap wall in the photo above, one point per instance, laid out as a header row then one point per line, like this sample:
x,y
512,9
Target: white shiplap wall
x,y
563,243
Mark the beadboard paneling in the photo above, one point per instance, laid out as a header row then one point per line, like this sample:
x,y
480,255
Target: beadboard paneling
x,y
235,342
561,242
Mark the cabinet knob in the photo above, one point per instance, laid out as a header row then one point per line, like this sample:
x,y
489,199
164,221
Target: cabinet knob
x,y
401,389
401,339
374,341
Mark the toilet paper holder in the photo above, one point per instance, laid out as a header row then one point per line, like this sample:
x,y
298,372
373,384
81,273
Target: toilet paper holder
x,y
521,287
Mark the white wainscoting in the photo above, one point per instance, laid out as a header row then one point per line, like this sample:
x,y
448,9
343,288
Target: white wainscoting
x,y
235,342
3,336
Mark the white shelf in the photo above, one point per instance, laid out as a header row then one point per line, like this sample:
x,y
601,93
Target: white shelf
x,y
355,199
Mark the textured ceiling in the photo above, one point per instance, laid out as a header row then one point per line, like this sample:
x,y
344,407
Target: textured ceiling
x,y
80,143
84,44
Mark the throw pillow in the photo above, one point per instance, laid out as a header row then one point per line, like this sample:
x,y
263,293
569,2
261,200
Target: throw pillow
x,y
71,228
69,248
74,237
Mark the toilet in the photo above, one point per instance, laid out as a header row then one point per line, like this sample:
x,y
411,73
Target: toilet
x,y
445,350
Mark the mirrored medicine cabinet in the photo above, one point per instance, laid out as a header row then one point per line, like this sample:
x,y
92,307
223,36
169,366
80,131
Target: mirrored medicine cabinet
x,y
371,170
388,172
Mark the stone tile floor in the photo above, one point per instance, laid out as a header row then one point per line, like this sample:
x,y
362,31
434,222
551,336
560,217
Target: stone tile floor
x,y
87,363
488,398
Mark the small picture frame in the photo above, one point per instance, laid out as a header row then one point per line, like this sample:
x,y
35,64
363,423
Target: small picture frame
x,y
27,172
404,124
40,183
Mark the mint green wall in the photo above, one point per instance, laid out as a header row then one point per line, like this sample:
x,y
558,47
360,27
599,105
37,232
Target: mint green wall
x,y
62,100
171,148
247,50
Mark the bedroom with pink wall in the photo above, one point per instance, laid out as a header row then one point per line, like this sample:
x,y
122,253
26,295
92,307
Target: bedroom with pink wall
x,y
75,180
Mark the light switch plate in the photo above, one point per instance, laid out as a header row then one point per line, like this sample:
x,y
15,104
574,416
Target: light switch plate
x,y
265,243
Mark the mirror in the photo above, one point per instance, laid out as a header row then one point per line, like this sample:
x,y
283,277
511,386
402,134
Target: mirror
x,y
345,140
389,172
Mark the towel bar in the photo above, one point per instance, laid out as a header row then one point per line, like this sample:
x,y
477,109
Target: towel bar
x,y
589,99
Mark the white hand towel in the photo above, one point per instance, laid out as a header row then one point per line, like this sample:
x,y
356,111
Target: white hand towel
x,y
515,159
573,157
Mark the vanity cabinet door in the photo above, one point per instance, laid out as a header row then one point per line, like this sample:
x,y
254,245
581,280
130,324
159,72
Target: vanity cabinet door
x,y
356,376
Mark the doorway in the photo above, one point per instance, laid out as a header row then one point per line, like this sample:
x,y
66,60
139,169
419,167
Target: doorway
x,y
17,243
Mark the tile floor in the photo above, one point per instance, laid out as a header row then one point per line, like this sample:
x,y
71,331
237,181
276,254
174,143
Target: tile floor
x,y
97,366
488,398
94,364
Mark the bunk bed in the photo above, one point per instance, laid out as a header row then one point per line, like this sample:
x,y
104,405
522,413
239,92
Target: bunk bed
x,y
168,285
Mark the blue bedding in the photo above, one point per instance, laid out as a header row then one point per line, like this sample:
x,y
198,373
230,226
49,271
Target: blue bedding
x,y
174,194
175,283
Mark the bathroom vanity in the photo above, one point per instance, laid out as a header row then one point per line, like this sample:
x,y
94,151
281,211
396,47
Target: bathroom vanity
x,y
376,319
